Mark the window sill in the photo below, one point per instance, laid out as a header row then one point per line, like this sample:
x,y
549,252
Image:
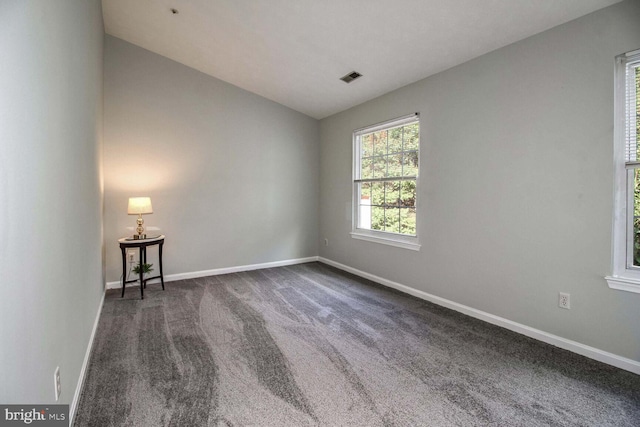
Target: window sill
x,y
399,243
623,284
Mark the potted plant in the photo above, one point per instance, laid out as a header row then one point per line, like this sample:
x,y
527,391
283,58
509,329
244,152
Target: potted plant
x,y
146,268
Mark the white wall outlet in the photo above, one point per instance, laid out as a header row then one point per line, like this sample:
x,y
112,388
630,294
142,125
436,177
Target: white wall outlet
x,y
58,385
132,255
564,300
326,242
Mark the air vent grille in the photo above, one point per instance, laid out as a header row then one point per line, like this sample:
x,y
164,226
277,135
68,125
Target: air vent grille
x,y
351,77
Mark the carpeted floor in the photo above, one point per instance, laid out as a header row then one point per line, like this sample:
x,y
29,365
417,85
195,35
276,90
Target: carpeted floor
x,y
309,345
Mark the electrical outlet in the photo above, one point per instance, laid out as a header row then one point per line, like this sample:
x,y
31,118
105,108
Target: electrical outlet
x,y
58,386
326,242
564,300
132,254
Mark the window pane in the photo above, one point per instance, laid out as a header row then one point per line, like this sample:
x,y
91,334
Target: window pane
x,y
636,181
394,165
366,168
410,164
636,217
377,218
392,220
379,167
365,190
410,137
408,221
364,212
391,193
395,140
377,193
366,146
408,193
379,143
638,110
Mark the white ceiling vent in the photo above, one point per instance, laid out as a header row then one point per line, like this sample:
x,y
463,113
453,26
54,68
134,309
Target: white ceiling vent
x,y
351,77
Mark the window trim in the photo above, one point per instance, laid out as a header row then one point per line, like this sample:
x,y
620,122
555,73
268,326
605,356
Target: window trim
x,y
623,276
376,236
398,240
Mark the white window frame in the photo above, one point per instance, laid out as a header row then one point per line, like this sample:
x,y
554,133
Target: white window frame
x,y
378,236
625,276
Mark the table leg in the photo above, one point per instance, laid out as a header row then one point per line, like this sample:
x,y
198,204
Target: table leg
x,y
124,269
160,259
141,274
144,260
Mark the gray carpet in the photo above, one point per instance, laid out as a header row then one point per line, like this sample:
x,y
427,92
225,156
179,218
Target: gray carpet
x,y
309,345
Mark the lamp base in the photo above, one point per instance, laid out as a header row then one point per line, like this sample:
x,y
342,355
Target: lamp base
x,y
139,236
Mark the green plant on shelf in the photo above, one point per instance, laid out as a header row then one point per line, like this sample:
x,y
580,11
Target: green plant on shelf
x,y
146,268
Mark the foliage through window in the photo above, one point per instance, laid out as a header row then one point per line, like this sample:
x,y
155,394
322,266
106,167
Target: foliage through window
x,y
385,176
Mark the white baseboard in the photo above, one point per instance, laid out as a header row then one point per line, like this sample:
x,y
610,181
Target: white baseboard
x,y
225,270
85,363
573,346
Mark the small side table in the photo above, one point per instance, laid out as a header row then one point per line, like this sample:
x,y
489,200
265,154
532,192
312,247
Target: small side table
x,y
141,244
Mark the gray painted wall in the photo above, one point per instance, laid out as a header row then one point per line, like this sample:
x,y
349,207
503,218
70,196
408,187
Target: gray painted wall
x,y
51,277
233,177
516,183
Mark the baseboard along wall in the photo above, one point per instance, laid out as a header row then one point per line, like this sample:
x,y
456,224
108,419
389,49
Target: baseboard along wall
x,y
225,270
573,346
85,364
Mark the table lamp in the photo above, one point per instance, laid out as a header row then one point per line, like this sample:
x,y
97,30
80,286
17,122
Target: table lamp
x,y
139,206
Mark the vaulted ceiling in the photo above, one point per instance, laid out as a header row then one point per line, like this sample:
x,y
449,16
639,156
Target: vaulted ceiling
x,y
295,51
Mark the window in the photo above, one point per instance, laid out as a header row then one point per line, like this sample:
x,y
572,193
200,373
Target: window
x,y
626,217
385,180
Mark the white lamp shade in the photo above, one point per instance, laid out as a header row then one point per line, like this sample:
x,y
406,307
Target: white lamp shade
x,y
139,205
